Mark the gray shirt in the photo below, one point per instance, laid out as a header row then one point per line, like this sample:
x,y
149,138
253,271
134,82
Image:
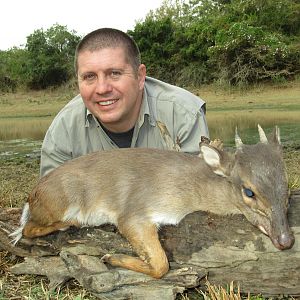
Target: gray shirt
x,y
75,131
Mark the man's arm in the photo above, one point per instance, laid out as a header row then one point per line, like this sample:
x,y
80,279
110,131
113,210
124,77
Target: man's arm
x,y
190,131
51,154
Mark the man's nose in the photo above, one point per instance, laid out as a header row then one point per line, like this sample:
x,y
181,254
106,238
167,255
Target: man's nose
x,y
103,85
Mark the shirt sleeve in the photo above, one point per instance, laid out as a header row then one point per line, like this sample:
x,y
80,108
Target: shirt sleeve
x,y
190,131
52,155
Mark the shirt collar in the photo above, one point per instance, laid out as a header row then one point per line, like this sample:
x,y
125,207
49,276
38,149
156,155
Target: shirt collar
x,y
147,109
88,117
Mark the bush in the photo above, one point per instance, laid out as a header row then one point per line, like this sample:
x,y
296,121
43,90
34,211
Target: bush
x,y
50,57
7,84
245,54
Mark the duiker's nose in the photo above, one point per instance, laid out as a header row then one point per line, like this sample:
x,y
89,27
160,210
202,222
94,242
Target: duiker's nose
x,y
286,240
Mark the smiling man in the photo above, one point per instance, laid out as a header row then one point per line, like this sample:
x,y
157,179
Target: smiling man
x,y
110,87
118,105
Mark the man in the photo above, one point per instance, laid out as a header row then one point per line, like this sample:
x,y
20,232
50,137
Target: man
x,y
118,105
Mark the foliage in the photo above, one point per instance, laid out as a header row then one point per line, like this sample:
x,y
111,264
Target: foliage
x,y
50,56
11,69
245,54
47,60
277,16
156,42
235,42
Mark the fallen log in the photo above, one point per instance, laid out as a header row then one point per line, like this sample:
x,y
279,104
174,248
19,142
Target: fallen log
x,y
223,249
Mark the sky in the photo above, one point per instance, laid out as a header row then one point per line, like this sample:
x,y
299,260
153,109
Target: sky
x,y
19,18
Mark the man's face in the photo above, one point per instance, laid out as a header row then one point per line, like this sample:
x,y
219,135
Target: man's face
x,y
110,88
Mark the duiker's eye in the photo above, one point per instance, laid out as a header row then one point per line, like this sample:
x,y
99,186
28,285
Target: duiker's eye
x,y
249,193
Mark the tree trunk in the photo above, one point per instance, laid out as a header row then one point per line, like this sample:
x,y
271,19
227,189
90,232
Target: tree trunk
x,y
224,249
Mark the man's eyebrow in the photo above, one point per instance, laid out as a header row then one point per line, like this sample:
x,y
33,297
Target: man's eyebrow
x,y
81,74
117,68
120,69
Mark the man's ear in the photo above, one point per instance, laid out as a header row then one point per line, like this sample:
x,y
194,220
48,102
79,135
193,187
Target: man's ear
x,y
141,76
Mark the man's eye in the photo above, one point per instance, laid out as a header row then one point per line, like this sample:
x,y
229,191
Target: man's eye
x,y
89,77
115,74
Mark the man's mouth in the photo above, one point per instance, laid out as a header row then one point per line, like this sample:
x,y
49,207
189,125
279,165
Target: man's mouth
x,y
108,102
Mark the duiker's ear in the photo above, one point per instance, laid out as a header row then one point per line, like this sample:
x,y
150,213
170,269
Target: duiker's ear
x,y
213,157
210,155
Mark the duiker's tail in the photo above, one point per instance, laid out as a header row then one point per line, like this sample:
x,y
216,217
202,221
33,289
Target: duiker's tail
x,y
17,235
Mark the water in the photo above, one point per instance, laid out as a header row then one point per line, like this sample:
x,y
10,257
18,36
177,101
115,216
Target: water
x,y
290,136
20,148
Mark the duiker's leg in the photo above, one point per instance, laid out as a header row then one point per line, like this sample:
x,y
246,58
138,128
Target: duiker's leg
x,y
33,229
144,239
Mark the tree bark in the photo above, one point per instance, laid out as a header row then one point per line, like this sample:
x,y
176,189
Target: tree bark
x,y
224,249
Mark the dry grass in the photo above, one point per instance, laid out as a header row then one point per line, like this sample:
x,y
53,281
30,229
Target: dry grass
x,y
219,292
17,180
267,96
35,103
34,287
292,161
18,128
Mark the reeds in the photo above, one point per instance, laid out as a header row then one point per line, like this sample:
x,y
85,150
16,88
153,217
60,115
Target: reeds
x,y
23,128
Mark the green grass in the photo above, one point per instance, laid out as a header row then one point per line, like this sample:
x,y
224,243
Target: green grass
x,y
277,107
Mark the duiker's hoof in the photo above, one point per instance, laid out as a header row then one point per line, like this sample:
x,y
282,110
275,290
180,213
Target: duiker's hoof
x,y
106,258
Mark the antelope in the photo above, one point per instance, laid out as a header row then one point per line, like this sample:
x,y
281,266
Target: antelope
x,y
140,190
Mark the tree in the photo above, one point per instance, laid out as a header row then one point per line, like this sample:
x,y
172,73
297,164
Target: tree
x,y
156,41
12,72
50,56
233,41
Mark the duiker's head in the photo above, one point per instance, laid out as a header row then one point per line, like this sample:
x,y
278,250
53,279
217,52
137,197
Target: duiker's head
x,y
258,171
